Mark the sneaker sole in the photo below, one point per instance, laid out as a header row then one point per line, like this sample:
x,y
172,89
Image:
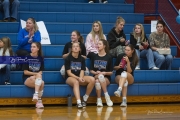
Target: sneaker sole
x,y
34,100
99,105
117,95
123,105
40,107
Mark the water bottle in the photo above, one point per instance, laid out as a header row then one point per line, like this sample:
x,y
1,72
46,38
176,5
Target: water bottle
x,y
123,62
69,100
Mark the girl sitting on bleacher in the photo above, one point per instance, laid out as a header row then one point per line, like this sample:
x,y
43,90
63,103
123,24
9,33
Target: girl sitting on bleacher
x,y
75,38
75,67
93,37
26,36
32,75
160,44
117,38
101,68
140,42
124,66
5,50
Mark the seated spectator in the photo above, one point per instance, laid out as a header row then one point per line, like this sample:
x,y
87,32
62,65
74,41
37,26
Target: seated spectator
x,y
93,38
75,67
140,42
26,36
5,50
101,1
159,40
75,38
10,9
32,75
116,38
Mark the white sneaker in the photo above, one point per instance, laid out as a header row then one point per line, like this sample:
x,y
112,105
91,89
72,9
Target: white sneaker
x,y
99,103
124,103
117,93
105,2
108,101
91,2
155,68
137,68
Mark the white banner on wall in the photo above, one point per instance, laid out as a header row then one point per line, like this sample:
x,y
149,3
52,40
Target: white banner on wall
x,y
42,28
153,25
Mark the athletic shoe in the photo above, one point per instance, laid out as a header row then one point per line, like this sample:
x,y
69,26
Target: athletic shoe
x,y
108,101
7,83
35,97
79,105
137,68
84,103
99,103
155,68
91,2
105,2
39,104
117,93
124,103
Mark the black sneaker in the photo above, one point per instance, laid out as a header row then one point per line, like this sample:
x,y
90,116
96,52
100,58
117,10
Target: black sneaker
x,y
84,103
79,105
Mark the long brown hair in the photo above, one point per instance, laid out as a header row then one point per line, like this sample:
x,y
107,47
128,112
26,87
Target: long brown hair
x,y
38,44
100,33
142,32
7,45
134,55
81,39
34,22
105,43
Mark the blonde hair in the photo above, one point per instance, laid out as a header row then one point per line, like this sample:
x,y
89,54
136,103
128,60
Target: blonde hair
x,y
100,33
35,24
142,32
7,45
119,20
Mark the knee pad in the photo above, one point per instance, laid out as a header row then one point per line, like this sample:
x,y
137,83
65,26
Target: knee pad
x,y
126,84
101,78
98,86
38,81
86,73
62,71
124,74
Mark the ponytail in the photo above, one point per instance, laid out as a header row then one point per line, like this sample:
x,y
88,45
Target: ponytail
x,y
105,43
134,55
81,39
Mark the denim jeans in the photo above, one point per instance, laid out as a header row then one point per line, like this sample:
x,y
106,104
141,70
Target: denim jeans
x,y
10,10
147,53
5,71
160,59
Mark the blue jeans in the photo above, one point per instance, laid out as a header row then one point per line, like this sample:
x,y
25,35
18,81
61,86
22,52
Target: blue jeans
x,y
10,10
163,59
6,72
147,53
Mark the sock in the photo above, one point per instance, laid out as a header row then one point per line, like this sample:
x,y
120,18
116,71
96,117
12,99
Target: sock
x,y
98,98
124,99
106,94
78,101
85,97
120,88
36,92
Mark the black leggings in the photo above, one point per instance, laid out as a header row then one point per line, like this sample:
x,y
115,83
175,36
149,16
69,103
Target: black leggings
x,y
22,53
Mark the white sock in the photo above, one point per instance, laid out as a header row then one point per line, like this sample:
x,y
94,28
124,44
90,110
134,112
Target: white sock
x,y
78,101
85,97
120,88
106,94
36,92
124,99
98,99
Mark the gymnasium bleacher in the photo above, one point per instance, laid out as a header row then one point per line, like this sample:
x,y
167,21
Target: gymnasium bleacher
x,y
61,17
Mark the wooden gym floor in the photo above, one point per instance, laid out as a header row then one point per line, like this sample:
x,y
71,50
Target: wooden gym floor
x,y
132,112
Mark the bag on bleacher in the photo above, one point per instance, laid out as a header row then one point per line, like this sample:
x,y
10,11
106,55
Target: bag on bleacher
x,y
164,51
42,29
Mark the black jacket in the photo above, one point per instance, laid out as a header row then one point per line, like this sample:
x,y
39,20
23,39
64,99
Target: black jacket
x,y
114,39
133,41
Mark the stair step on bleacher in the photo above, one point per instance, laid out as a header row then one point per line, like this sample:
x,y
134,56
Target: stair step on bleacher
x,y
83,28
82,17
62,90
76,7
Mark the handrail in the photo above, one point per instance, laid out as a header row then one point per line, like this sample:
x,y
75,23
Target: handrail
x,y
173,6
169,28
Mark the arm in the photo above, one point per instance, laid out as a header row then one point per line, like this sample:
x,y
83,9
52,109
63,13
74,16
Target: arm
x,y
83,51
93,72
22,38
26,72
118,60
65,55
37,36
71,74
167,41
109,68
151,40
65,51
129,70
88,44
133,41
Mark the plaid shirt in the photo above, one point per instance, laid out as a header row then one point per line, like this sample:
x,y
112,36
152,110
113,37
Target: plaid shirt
x,y
159,41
